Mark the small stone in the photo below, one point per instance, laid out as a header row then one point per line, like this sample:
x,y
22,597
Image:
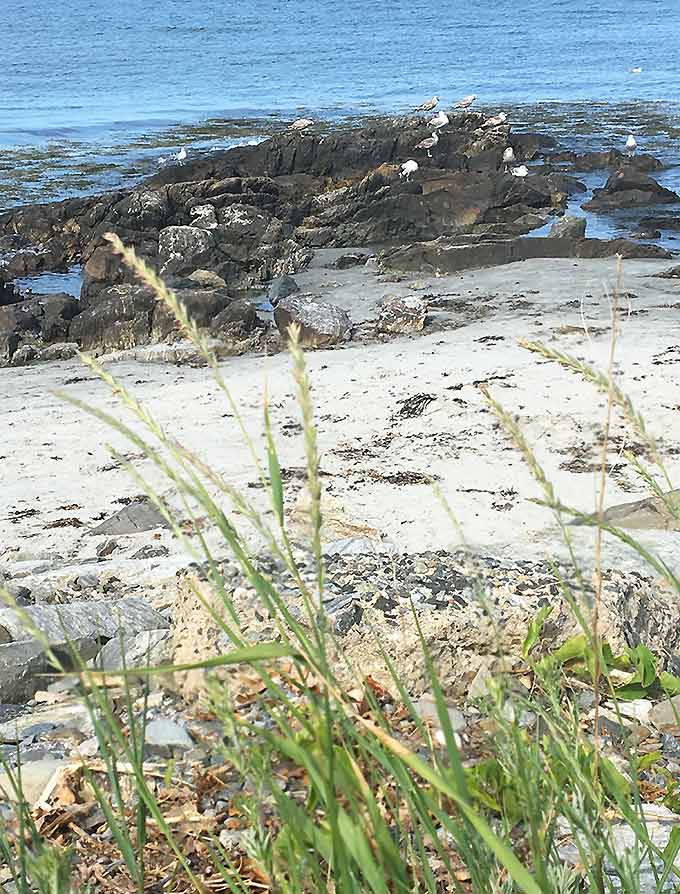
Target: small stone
x,y
105,548
282,287
426,707
666,714
163,733
402,315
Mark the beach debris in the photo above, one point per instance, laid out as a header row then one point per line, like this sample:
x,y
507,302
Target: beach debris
x,y
409,168
413,406
428,105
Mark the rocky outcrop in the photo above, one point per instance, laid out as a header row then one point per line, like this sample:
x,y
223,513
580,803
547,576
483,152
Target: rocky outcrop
x,y
321,324
35,322
595,161
628,188
402,314
450,256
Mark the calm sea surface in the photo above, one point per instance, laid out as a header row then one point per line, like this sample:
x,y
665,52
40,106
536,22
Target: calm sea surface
x,y
94,91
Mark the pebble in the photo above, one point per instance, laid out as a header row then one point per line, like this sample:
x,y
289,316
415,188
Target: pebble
x,y
162,733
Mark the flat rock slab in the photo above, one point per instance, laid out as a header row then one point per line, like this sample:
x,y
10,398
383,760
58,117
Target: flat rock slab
x,y
650,514
34,778
70,713
81,620
141,515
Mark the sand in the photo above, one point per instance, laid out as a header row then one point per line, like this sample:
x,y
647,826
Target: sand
x,y
54,456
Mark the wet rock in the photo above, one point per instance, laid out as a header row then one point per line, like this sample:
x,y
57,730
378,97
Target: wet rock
x,y
282,287
594,161
402,314
321,324
137,516
660,222
183,249
570,227
150,648
628,188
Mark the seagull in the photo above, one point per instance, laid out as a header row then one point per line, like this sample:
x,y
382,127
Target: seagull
x,y
521,171
466,101
301,124
441,119
496,121
631,144
428,105
636,71
181,155
409,167
508,156
429,143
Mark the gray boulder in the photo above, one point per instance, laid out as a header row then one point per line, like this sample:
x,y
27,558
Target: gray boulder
x,y
321,324
282,287
239,319
150,648
120,319
570,227
629,188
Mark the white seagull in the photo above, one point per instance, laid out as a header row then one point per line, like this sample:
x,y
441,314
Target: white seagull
x,y
441,119
508,157
408,168
636,71
466,101
181,155
428,105
301,124
429,143
631,144
521,171
496,121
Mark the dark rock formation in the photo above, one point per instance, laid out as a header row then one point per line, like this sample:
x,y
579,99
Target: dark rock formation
x,y
569,227
628,188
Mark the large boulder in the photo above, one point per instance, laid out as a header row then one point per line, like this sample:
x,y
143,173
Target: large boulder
x,y
321,324
571,227
238,320
201,304
142,209
628,188
120,319
183,249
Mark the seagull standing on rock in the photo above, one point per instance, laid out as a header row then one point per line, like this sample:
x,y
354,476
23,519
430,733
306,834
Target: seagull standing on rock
x,y
181,155
631,145
429,143
301,124
441,119
466,101
408,168
496,121
428,105
520,171
508,157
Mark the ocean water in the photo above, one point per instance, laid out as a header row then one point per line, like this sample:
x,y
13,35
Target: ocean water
x,y
95,91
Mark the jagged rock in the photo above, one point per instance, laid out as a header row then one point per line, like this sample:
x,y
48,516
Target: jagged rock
x,y
183,249
143,209
138,516
571,227
670,273
321,324
40,319
204,217
628,188
402,314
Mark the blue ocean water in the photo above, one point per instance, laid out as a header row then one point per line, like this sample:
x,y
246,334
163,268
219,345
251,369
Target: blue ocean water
x,y
95,90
